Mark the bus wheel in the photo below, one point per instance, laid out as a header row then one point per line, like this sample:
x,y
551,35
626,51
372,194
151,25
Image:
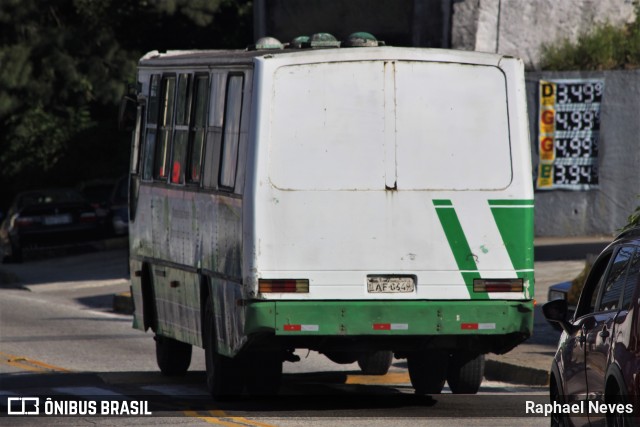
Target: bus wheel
x,y
173,357
375,362
224,374
465,372
427,370
264,372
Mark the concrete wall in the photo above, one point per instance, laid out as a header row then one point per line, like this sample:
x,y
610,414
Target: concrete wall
x,y
601,211
520,27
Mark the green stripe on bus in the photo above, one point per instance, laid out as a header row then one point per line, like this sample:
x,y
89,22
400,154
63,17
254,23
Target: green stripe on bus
x,y
516,229
459,246
509,202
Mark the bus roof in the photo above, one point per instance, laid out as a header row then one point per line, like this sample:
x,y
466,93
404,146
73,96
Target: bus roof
x,y
246,57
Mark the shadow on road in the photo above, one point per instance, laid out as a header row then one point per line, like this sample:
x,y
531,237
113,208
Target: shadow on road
x,y
100,262
321,394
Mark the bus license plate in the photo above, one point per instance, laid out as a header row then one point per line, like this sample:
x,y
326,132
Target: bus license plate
x,y
390,284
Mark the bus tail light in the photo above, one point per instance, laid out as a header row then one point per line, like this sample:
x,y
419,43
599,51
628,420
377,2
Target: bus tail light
x,y
497,285
283,285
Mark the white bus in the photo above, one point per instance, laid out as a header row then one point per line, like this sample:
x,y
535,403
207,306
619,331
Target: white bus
x,y
355,201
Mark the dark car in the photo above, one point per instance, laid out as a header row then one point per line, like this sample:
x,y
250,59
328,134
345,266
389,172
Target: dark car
x,y
43,218
598,358
109,198
98,193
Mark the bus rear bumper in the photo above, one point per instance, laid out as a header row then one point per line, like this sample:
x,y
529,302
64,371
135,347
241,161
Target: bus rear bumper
x,y
389,318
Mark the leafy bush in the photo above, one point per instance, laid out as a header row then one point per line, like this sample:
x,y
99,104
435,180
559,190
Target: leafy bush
x,y
633,220
604,48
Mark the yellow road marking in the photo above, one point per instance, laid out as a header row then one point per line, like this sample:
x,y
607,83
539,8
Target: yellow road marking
x,y
221,418
390,378
29,364
252,422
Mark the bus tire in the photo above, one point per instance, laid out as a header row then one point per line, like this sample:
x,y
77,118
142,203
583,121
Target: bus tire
x,y
465,372
264,373
375,362
427,370
173,357
224,374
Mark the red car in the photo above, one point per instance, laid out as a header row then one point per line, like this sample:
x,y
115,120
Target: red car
x,y
595,375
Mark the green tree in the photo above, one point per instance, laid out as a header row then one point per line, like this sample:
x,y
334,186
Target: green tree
x,y
64,65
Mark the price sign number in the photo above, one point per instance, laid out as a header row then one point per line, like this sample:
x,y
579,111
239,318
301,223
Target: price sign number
x,y
577,120
569,133
575,174
576,147
579,93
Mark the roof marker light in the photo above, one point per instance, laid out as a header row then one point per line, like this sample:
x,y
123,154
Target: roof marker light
x,y
362,39
299,42
266,43
323,40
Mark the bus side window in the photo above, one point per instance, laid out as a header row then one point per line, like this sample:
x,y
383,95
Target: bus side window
x,y
213,140
136,142
151,127
198,127
163,144
231,133
181,135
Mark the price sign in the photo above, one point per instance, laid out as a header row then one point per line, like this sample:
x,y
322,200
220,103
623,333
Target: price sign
x,y
569,129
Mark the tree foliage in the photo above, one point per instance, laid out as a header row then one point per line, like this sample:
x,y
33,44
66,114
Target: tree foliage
x,y
606,47
64,65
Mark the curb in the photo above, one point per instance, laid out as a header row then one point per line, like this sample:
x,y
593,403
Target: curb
x,y
123,303
506,372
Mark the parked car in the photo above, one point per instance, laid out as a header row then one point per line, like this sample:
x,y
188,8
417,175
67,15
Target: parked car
x,y
49,217
110,200
598,357
97,193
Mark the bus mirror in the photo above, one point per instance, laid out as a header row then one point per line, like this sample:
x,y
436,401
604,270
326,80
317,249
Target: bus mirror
x,y
127,114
